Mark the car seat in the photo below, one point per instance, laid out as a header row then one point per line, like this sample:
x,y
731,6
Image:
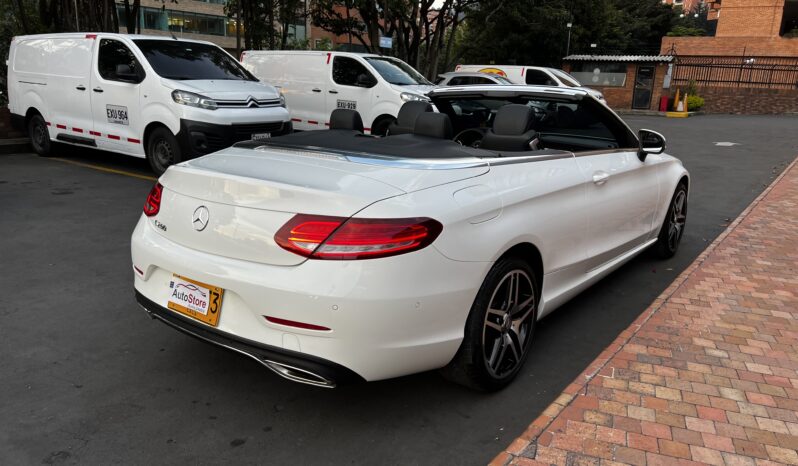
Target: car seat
x,y
511,129
406,119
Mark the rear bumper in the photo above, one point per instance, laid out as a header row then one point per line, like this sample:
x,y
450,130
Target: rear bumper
x,y
387,318
199,138
294,366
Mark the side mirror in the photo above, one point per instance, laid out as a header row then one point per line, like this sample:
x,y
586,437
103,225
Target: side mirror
x,y
651,142
125,73
364,80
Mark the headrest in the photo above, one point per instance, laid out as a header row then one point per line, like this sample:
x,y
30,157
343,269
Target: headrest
x,y
342,118
434,125
513,120
410,110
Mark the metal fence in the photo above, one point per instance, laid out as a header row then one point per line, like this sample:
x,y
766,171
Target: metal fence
x,y
747,72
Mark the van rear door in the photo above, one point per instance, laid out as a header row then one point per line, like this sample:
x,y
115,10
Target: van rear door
x,y
115,86
68,93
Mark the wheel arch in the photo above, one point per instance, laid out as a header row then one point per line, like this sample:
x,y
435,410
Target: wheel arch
x,y
30,113
529,253
152,126
381,118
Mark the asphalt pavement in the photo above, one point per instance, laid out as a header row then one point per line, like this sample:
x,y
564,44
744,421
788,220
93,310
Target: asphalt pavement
x,y
87,378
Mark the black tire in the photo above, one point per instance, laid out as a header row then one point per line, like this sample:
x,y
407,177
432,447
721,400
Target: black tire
x,y
162,150
39,136
380,127
670,235
495,345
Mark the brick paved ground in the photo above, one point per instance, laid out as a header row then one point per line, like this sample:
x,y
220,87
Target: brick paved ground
x,y
708,374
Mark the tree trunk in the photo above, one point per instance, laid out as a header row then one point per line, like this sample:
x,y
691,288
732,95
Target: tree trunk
x,y
23,18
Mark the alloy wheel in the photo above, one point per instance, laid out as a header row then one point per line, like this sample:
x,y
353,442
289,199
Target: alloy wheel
x,y
508,323
678,216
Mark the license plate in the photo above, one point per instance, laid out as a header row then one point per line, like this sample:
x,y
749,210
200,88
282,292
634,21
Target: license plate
x,y
257,136
195,299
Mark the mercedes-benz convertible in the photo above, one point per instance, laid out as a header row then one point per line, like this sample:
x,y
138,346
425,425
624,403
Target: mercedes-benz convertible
x,y
332,256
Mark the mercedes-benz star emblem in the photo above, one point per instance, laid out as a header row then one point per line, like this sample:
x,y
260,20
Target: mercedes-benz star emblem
x,y
200,218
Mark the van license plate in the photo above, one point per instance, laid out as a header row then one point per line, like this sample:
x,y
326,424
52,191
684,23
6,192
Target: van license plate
x,y
257,136
195,299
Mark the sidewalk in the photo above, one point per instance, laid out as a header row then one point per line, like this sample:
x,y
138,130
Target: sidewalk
x,y
708,374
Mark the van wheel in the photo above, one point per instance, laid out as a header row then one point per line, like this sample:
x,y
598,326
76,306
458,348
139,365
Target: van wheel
x,y
498,333
39,135
380,128
162,150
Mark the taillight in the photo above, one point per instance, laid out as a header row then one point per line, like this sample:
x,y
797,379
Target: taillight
x,y
153,203
322,237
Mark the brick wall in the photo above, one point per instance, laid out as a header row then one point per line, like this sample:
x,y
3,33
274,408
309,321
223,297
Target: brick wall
x,y
749,101
731,46
750,18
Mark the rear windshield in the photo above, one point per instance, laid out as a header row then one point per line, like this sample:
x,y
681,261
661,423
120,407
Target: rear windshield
x,y
172,59
396,71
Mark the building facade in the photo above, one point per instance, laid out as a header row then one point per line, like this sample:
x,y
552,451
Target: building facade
x,y
761,28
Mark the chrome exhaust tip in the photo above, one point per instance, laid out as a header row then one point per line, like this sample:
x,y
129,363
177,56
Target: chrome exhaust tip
x,y
296,374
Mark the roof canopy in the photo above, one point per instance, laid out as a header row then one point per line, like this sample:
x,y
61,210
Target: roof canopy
x,y
621,58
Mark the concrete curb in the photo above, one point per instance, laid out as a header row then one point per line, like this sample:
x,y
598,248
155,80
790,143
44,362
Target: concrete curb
x,y
598,366
14,146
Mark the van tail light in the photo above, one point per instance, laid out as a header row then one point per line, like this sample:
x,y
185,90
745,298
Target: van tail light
x,y
153,203
339,238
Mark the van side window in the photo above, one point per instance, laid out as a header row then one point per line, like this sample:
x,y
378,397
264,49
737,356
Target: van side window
x,y
112,54
539,78
347,70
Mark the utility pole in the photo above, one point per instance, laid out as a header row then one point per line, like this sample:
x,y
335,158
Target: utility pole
x,y
77,18
238,28
568,46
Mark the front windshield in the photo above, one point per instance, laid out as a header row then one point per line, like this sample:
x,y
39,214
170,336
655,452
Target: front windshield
x,y
566,78
172,59
396,71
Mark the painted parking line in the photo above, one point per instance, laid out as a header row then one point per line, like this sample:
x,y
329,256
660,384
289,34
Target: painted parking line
x,y
106,169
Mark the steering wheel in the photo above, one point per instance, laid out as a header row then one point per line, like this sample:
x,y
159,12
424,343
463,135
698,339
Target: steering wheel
x,y
470,137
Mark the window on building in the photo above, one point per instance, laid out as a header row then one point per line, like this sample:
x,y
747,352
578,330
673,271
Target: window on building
x,y
600,73
789,21
113,53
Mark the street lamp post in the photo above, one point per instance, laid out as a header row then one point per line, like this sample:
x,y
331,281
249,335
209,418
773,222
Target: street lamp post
x,y
568,46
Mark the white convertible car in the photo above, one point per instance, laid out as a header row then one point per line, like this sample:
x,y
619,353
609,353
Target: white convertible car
x,y
332,257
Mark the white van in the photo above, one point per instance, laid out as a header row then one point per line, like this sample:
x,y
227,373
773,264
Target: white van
x,y
316,83
533,75
166,99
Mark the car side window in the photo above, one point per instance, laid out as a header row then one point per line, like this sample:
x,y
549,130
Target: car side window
x,y
459,81
481,80
347,71
539,78
581,122
115,62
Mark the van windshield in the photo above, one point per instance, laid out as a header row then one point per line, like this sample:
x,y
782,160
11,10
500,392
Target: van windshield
x,y
173,59
396,71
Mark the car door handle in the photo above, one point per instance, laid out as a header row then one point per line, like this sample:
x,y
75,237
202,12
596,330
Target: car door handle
x,y
81,87
600,177
97,89
333,92
316,90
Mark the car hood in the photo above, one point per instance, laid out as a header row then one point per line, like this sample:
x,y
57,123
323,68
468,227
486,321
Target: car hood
x,y
226,89
420,89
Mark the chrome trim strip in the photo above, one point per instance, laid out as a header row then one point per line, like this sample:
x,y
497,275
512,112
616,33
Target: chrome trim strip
x,y
374,159
529,158
265,362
